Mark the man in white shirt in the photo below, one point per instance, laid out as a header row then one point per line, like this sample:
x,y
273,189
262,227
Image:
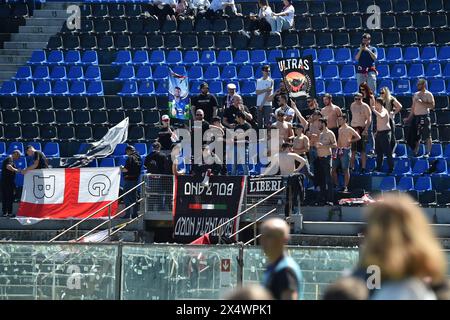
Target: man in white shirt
x,y
264,89
285,19
219,7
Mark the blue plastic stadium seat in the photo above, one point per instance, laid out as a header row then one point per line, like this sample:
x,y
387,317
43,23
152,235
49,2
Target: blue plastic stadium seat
x,y
420,167
248,87
144,73
38,57
416,70
161,88
333,87
343,55
330,71
381,55
258,57
94,88
75,73
246,72
51,150
195,72
209,57
444,54
161,72
119,151
174,57
92,73
195,86
386,83
400,151
25,88
55,57
42,88
423,184
141,148
275,72
325,56
191,57
126,73
433,70
107,162
23,73
77,88
215,87
60,88
350,87
140,58
310,52
129,88
402,167
36,145
436,150
446,72
398,71
123,57
273,55
41,73
72,57
241,57
15,146
58,73
320,87
402,87
347,72
383,71
428,54
437,86
211,73
405,184
2,149
394,54
146,88
388,184
292,53
318,71
89,57
411,54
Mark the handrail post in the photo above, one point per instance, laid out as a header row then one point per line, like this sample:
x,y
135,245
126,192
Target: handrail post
x,y
109,222
255,230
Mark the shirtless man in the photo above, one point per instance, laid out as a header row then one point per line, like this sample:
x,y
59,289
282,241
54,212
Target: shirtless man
x,y
423,102
383,136
361,120
301,141
331,112
347,136
326,142
312,132
286,133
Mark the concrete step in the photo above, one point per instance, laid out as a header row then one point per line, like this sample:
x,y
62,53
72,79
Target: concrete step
x,y
9,67
35,29
16,52
30,37
57,5
51,14
25,45
7,75
13,59
45,22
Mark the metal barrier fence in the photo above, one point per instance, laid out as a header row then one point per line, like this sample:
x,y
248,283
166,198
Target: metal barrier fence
x,y
158,193
133,271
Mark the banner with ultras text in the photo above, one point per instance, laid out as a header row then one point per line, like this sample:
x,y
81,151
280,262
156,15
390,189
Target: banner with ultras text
x,y
199,208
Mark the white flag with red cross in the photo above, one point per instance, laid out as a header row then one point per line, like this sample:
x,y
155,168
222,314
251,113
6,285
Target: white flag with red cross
x,y
69,193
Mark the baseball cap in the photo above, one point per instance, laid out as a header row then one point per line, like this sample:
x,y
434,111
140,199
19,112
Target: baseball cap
x,y
204,85
231,86
165,117
290,113
280,113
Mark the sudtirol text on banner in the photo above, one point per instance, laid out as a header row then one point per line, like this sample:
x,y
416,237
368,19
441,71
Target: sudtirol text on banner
x,y
298,75
179,102
69,193
200,208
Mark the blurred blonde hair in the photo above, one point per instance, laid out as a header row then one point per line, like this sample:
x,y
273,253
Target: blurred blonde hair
x,y
401,242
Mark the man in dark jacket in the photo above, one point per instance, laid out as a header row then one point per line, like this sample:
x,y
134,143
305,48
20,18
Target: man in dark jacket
x,y
9,171
155,162
132,170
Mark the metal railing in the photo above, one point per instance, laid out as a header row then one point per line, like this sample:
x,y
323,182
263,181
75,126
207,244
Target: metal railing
x,y
108,221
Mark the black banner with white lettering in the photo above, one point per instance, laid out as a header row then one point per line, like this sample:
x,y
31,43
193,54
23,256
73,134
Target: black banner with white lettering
x,y
200,207
264,185
298,75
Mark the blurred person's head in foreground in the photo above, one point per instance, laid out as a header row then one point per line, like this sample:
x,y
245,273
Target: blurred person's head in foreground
x,y
442,290
251,292
347,288
274,236
401,243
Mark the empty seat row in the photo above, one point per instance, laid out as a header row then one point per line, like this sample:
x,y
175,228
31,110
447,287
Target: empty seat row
x,y
61,117
14,10
58,73
82,103
406,183
70,57
50,149
60,87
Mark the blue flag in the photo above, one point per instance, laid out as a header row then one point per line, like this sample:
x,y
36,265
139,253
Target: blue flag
x,y
179,102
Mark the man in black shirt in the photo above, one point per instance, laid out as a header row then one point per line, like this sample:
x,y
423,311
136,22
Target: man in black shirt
x,y
166,135
155,162
132,170
206,102
229,116
39,159
9,171
241,149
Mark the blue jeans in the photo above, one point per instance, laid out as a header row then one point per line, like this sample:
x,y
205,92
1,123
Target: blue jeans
x,y
130,198
278,24
370,78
